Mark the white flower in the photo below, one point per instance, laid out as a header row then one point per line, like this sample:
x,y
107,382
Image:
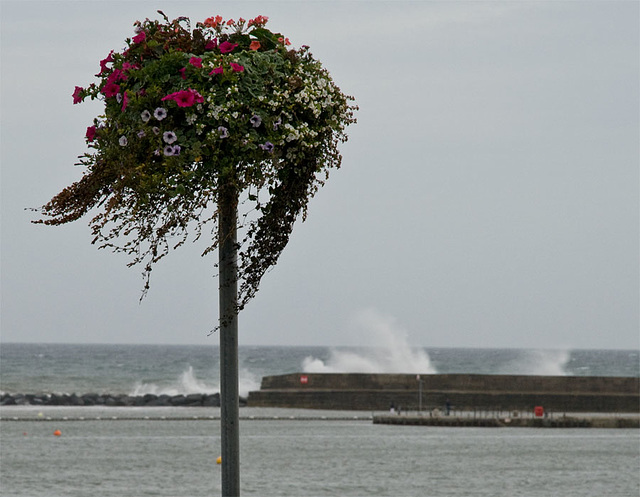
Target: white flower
x,y
123,141
160,113
145,115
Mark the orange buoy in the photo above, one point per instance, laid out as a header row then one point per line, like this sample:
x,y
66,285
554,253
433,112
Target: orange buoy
x,y
57,433
219,460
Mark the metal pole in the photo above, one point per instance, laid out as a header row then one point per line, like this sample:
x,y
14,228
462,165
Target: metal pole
x,y
229,405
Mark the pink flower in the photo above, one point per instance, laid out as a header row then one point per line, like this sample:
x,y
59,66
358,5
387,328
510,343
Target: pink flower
x,y
104,62
254,45
91,133
110,90
226,47
195,61
216,70
185,98
77,97
140,37
236,67
116,75
125,101
127,66
182,73
211,44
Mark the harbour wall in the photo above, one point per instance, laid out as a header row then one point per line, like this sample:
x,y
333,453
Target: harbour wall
x,y
359,391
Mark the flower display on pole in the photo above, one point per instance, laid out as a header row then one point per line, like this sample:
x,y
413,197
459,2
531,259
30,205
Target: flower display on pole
x,y
188,111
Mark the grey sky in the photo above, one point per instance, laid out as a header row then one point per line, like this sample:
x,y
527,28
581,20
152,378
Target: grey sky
x,y
488,195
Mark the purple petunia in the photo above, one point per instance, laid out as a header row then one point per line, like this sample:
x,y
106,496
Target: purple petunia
x,y
267,146
145,115
170,150
255,120
224,132
169,137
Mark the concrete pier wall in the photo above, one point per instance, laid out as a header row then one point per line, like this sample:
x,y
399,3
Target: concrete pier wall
x,y
463,391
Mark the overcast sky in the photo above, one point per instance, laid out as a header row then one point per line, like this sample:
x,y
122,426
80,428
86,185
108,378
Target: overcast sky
x,y
488,195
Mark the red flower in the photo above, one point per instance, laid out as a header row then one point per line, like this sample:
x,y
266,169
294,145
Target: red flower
x,y
91,133
258,22
195,61
216,70
226,47
77,97
140,37
236,67
211,44
254,45
213,22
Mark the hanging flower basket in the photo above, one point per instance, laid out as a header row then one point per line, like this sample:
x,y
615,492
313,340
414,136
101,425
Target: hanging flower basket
x,y
191,112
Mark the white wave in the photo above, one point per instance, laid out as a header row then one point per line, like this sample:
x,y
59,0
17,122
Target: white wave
x,y
388,350
187,383
541,362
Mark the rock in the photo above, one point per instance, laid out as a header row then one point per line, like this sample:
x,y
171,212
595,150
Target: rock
x,y
178,400
211,400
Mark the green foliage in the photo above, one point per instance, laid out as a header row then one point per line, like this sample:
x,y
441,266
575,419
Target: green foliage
x,y
188,113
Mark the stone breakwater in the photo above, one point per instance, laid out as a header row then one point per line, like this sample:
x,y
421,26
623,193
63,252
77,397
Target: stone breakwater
x,y
111,400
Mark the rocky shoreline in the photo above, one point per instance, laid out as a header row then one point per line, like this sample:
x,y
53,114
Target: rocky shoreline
x,y
114,400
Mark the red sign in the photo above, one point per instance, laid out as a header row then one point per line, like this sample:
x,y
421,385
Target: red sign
x,y
304,379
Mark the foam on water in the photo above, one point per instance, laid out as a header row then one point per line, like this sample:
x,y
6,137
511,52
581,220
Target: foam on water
x,y
389,350
187,383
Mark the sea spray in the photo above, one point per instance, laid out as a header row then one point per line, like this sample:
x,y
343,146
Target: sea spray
x,y
388,350
187,383
542,362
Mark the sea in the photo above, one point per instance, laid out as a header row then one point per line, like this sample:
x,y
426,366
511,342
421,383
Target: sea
x,y
172,451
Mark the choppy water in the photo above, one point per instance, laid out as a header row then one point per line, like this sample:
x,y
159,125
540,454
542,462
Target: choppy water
x,y
286,456
312,458
141,369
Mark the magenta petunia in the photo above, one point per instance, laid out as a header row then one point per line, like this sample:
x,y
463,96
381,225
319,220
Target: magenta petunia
x,y
211,44
226,47
127,66
140,37
185,98
91,133
116,75
110,90
195,61
77,97
125,101
104,62
216,70
182,73
236,67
